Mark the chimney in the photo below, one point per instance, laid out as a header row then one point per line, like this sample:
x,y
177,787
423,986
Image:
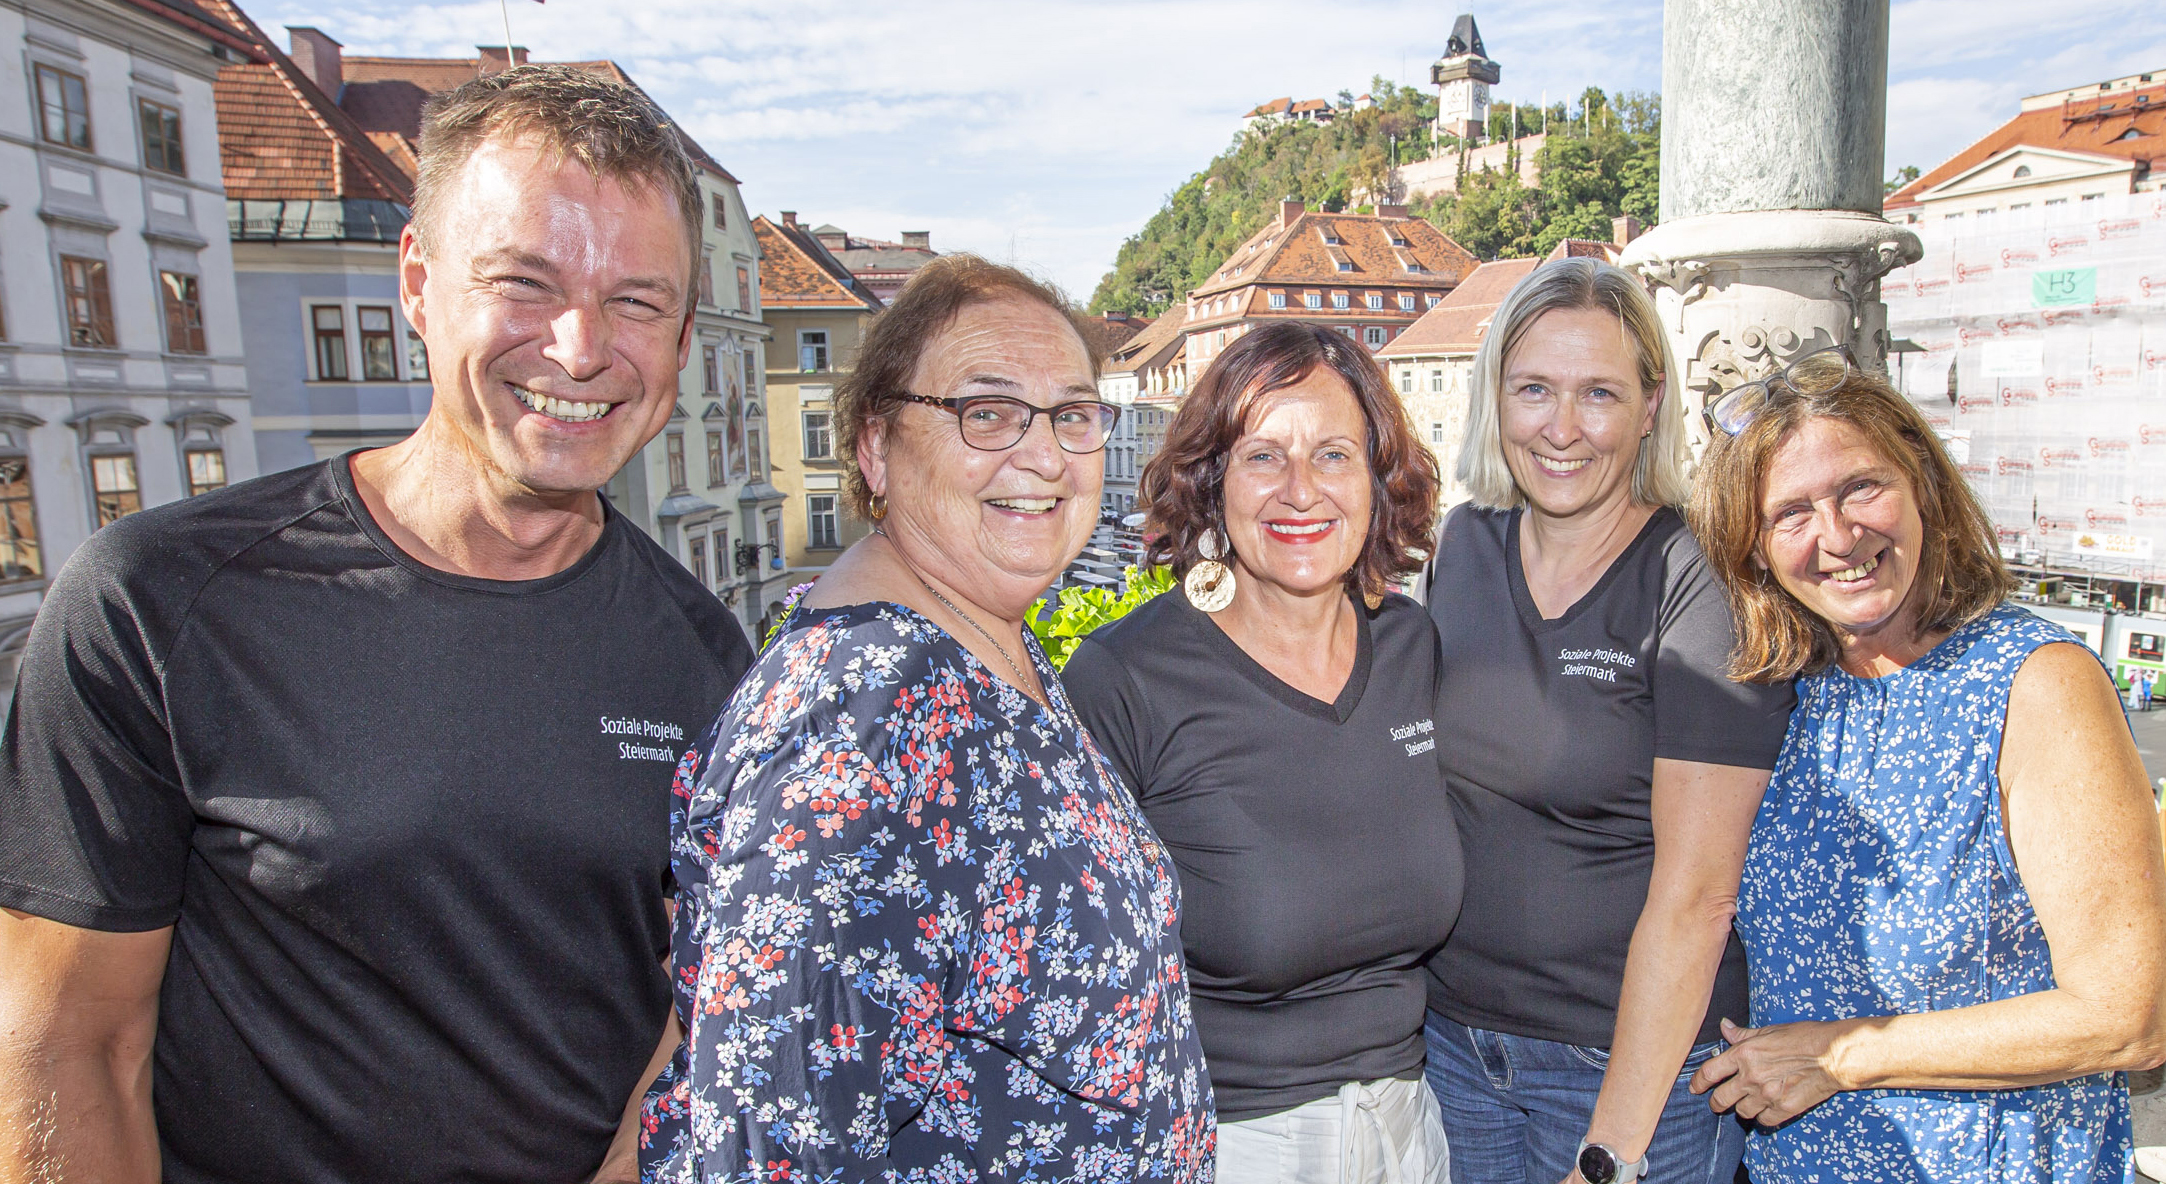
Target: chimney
x,y
920,239
492,58
318,57
1288,211
833,240
789,219
1388,210
1622,230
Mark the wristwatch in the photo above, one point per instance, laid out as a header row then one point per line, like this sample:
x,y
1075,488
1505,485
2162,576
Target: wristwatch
x,y
1600,1163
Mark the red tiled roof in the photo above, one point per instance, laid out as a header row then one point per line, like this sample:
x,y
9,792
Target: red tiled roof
x,y
2098,126
1584,248
1298,254
797,272
387,94
1456,325
1106,335
1274,107
1144,349
280,137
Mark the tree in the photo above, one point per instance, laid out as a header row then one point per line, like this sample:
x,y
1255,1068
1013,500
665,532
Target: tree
x,y
1903,176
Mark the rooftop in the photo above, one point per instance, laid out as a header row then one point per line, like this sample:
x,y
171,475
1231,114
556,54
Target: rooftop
x,y
1455,326
2108,119
797,272
1308,247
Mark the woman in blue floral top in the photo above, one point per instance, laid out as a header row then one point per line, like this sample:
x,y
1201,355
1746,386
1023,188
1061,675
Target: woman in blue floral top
x,y
923,934
1953,905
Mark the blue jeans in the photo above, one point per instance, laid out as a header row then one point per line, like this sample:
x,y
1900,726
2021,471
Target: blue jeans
x,y
1515,1109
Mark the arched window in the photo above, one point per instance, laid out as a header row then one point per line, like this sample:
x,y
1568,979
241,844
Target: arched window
x,y
2023,170
2130,134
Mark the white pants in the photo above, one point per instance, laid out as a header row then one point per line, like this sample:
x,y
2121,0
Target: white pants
x,y
1374,1132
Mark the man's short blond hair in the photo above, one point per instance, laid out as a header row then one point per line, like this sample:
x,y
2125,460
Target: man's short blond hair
x,y
614,130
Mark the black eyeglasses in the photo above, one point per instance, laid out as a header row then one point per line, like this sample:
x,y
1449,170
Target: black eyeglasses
x,y
1815,373
994,422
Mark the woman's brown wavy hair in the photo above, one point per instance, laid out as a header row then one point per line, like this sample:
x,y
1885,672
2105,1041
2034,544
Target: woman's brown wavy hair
x,y
1183,486
1960,576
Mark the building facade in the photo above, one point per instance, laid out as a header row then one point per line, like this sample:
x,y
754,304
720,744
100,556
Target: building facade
x,y
702,488
1368,276
818,313
1125,380
314,208
882,266
2079,145
122,377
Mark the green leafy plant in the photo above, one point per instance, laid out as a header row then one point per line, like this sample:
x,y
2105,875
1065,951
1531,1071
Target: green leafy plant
x,y
1081,610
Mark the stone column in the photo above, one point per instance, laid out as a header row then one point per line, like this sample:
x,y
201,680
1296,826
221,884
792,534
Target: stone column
x,y
1771,242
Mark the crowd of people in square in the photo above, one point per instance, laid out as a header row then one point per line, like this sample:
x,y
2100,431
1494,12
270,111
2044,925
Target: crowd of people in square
x,y
1642,816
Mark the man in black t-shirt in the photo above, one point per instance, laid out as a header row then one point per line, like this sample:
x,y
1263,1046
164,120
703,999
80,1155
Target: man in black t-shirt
x,y
336,803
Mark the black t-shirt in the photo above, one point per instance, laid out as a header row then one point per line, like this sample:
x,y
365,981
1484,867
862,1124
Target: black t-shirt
x,y
1319,865
411,829
1550,730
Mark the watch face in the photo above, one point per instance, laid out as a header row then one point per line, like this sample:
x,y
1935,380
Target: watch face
x,y
1597,1165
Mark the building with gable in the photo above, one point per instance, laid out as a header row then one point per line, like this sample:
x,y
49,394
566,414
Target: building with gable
x,y
1141,378
2076,145
884,266
1368,276
315,208
819,313
123,381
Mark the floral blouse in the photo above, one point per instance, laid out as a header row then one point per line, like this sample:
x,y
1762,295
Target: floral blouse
x,y
923,934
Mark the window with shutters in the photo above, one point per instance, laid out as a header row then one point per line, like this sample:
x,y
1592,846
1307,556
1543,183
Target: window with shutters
x,y
183,300
89,301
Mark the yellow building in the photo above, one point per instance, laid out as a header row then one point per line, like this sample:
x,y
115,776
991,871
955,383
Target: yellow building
x,y
817,312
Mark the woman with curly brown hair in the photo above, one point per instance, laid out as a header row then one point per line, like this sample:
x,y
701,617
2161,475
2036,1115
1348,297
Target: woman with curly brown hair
x,y
1274,720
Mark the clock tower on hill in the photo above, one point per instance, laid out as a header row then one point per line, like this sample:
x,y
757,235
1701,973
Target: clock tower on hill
x,y
1463,77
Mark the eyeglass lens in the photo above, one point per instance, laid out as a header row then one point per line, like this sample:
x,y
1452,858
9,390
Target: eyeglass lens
x,y
1815,373
995,422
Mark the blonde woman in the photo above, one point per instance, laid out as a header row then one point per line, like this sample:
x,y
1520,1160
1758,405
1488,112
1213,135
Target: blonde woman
x,y
1604,769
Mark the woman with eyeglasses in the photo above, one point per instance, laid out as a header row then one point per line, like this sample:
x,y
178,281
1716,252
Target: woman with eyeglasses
x,y
1275,717
923,932
1604,768
1953,903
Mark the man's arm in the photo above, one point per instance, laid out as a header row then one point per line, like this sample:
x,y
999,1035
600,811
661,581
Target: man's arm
x,y
78,1011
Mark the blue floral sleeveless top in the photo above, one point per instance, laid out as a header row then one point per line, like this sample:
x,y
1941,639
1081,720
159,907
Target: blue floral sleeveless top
x,y
1879,881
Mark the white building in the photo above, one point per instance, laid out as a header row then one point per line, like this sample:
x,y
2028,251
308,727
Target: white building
x,y
121,375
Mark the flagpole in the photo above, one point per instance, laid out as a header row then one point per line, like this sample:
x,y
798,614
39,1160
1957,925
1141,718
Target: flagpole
x,y
504,7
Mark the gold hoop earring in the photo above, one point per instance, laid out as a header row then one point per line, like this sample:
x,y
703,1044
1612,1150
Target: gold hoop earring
x,y
876,505
1209,585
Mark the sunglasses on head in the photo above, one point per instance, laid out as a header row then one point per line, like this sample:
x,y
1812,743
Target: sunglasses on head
x,y
1812,374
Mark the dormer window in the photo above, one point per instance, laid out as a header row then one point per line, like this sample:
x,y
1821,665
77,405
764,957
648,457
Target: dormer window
x,y
2130,134
1331,235
1398,239
1346,265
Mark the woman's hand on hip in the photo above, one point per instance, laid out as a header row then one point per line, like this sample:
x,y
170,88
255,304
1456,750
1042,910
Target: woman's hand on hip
x,y
1771,1075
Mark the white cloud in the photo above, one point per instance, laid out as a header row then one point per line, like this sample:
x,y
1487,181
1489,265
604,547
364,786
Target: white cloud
x,y
1061,124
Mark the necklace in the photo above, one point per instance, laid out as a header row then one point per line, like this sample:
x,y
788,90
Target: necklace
x,y
1021,683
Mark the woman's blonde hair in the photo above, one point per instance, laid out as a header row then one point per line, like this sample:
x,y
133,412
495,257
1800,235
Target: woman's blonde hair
x,y
1960,576
1658,476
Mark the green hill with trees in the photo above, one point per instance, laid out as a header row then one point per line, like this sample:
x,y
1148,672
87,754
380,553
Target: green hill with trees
x,y
1601,159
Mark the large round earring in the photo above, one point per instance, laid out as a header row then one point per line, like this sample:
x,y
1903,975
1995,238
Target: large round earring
x,y
1209,585
876,505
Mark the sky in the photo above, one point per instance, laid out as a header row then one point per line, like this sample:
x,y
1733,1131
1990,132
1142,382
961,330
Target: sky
x,y
1044,132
